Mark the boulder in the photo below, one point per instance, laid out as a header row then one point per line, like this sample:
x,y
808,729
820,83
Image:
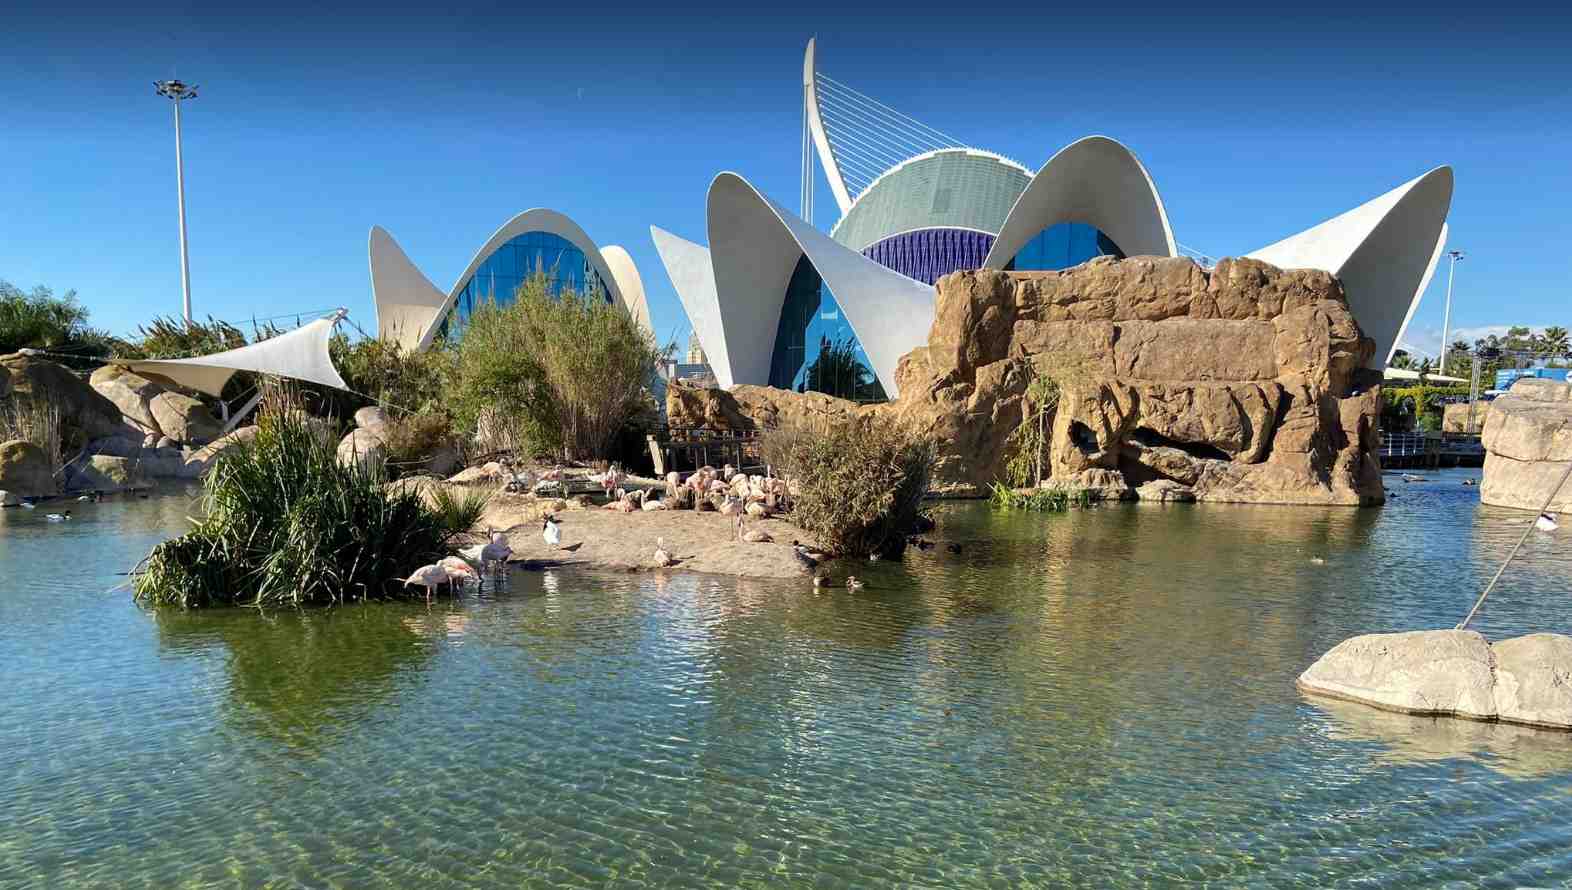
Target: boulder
x,y
131,393
1242,384
1534,680
199,461
162,412
373,419
100,472
84,414
1455,418
184,419
1528,440
1164,491
25,471
363,447
1435,672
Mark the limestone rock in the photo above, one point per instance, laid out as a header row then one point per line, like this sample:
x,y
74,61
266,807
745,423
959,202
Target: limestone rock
x,y
184,419
200,461
1440,672
84,414
363,447
1164,491
373,419
1528,439
1534,679
131,393
25,470
1245,384
1454,418
100,472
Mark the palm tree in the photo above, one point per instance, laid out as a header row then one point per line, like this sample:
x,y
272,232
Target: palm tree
x,y
1401,359
1556,342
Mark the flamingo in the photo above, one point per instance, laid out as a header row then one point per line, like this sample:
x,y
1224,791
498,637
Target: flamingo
x,y
458,570
663,556
428,577
495,551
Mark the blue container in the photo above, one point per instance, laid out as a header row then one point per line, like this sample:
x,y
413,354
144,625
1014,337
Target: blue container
x,y
1508,376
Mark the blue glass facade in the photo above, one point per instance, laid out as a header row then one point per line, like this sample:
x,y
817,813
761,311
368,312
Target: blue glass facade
x,y
1063,245
927,254
500,274
815,349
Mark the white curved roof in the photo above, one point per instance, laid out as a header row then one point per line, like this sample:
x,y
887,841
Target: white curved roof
x,y
405,300
409,311
1096,181
950,188
755,245
1384,251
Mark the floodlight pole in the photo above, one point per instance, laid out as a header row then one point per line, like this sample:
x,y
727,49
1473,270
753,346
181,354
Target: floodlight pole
x,y
1446,320
176,92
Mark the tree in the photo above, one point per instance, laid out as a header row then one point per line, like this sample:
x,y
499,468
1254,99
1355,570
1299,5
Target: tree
x,y
1556,342
838,372
1401,359
40,320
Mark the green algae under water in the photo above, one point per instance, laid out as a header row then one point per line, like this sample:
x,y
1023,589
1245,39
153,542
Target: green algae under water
x,y
1102,698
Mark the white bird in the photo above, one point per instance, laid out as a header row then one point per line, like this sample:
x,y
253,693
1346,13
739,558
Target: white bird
x,y
429,577
551,532
496,551
650,506
28,506
662,555
58,517
852,583
1545,522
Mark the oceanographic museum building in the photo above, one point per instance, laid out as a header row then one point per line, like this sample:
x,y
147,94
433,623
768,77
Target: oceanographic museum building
x,y
775,301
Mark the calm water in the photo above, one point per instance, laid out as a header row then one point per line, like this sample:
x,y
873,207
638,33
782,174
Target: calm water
x,y
1100,699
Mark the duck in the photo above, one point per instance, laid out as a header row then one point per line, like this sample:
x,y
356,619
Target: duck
x,y
59,517
852,583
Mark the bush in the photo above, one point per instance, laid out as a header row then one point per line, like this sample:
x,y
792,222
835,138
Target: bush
x,y
413,439
859,483
385,374
1028,445
459,509
548,373
168,337
34,420
1041,500
285,524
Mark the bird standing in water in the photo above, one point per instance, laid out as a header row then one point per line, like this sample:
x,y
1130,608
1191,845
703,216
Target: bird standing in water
x,y
496,551
429,577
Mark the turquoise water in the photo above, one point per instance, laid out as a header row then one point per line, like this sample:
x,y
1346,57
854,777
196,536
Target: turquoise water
x,y
1098,699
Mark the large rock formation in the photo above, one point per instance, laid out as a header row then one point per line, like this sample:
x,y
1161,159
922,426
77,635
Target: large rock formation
x,y
156,409
1243,384
84,414
1455,673
1528,441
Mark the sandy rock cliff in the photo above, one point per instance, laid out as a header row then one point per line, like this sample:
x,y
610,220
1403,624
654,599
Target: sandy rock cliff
x,y
1242,384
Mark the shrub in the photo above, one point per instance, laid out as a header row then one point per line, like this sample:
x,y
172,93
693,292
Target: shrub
x,y
285,524
1041,500
385,374
859,483
551,373
413,439
459,510
1028,445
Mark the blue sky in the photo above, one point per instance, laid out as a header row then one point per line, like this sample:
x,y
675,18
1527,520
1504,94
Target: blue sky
x,y
315,123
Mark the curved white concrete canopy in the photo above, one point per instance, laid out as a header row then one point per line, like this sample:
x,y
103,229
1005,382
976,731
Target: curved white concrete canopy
x,y
693,276
1096,181
1384,251
406,301
626,275
821,139
537,219
754,248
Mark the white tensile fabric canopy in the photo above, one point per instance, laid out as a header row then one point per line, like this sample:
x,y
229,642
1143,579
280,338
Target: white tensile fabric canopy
x,y
301,354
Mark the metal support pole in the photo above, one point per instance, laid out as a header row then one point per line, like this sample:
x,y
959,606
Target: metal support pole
x,y
1518,546
178,92
1446,321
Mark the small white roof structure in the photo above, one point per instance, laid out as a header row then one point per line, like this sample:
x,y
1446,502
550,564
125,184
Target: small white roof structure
x,y
301,354
1407,374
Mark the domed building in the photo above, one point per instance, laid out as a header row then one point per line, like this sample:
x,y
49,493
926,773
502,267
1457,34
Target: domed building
x,y
775,301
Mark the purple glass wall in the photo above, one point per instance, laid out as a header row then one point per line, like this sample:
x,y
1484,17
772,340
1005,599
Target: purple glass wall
x,y
927,254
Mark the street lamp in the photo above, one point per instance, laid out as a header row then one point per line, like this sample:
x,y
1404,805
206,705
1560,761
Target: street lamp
x,y
176,91
1446,321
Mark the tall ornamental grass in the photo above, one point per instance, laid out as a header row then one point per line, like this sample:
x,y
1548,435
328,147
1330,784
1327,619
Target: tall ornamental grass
x,y
859,484
552,372
33,420
285,524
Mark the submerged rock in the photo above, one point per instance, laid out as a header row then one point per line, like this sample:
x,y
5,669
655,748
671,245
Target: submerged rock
x,y
1455,673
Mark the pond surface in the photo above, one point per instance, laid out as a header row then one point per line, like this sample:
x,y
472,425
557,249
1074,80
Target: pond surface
x,y
1103,698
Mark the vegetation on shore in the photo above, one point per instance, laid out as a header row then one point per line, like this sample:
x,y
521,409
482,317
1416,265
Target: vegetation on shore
x,y
284,523
858,485
1041,500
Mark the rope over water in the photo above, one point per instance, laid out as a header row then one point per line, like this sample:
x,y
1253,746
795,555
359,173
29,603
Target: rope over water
x,y
1518,546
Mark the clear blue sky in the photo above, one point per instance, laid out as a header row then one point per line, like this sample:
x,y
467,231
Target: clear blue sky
x,y
314,124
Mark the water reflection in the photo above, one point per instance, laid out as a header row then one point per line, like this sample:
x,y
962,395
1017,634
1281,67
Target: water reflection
x,y
303,678
1508,749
